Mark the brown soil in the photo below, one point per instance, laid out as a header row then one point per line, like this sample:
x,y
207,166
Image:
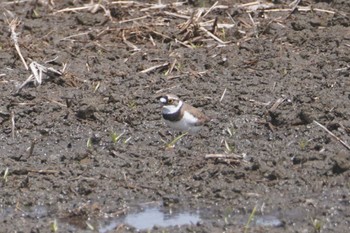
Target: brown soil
x,y
279,72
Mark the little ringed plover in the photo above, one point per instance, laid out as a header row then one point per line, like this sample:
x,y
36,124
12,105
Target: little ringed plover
x,y
181,116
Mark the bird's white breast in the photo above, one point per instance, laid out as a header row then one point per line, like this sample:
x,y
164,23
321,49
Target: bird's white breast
x,y
187,123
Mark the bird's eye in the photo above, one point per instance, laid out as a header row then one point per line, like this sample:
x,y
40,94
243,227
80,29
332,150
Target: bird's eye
x,y
170,101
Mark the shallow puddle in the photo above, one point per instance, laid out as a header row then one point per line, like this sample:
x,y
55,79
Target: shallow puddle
x,y
146,217
266,221
149,217
154,216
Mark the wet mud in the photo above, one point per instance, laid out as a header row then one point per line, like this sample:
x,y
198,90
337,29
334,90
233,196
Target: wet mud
x,y
86,150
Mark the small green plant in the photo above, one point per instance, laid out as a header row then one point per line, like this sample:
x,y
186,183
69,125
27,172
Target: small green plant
x,y
250,219
89,143
223,35
54,226
228,147
174,141
317,224
132,104
230,131
35,14
227,215
115,137
303,144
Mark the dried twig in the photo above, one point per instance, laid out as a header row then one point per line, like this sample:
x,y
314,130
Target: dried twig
x,y
333,135
226,158
213,36
28,80
223,95
15,2
128,43
210,9
215,156
154,7
134,19
31,148
165,89
176,15
183,43
75,35
13,126
13,24
36,76
154,67
92,7
276,104
44,171
127,2
171,68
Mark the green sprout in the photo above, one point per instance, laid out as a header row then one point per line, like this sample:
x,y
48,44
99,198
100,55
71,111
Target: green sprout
x,y
115,137
173,142
303,144
317,224
36,13
223,33
89,143
132,104
228,147
54,226
250,219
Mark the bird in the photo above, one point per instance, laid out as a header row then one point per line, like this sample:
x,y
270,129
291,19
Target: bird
x,y
181,116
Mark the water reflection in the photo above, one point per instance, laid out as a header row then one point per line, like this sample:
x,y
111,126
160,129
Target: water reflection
x,y
153,216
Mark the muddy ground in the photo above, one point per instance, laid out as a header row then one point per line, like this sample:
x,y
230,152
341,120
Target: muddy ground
x,y
89,146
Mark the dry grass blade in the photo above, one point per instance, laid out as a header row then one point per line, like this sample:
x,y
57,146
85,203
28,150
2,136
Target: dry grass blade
x,y
223,95
128,43
154,68
226,156
75,35
171,68
276,104
31,148
36,76
210,9
16,2
134,19
230,159
13,24
214,37
176,15
13,126
333,135
28,80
